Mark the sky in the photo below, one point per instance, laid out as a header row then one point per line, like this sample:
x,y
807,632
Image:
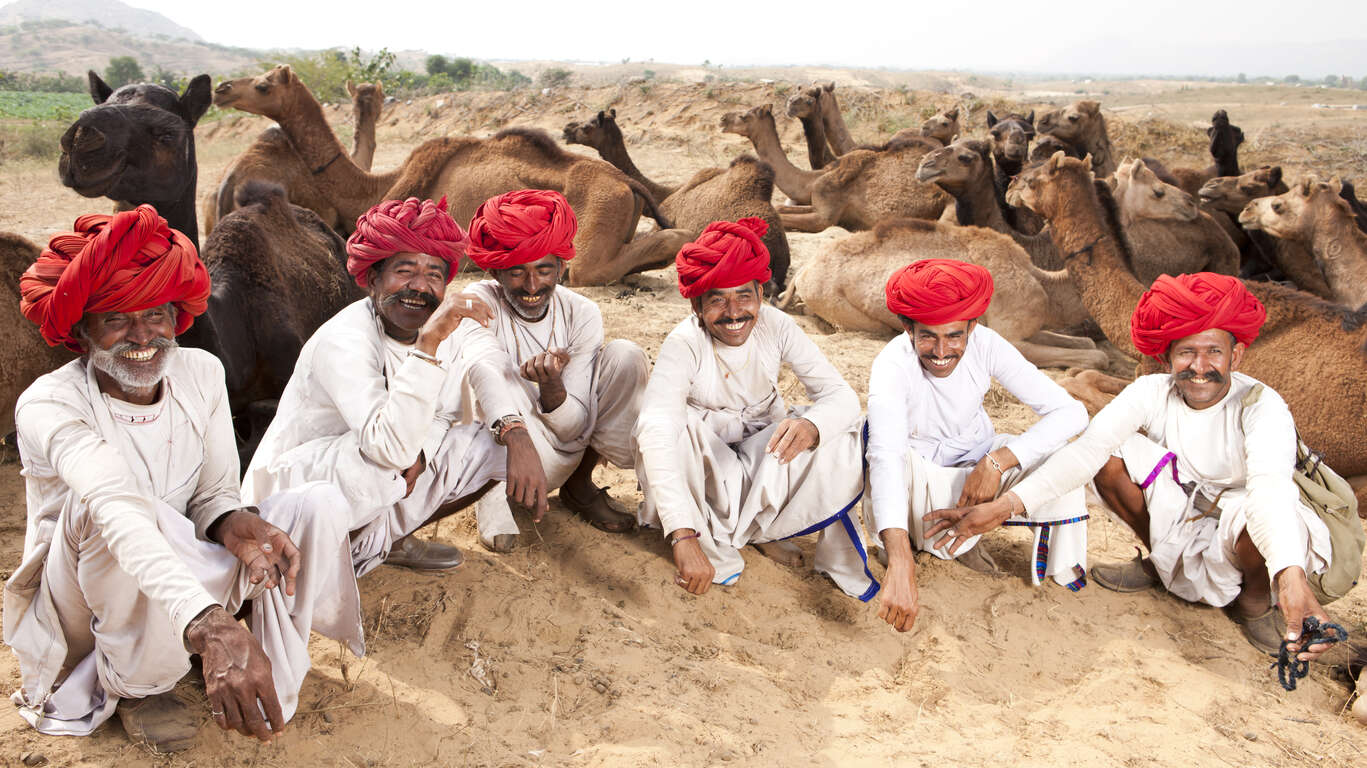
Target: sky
x,y
1183,36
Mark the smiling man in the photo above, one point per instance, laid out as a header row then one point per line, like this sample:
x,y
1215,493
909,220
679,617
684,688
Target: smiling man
x,y
932,445
1198,462
139,550
582,397
377,403
722,460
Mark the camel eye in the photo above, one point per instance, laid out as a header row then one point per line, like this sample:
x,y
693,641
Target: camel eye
x,y
1158,193
1277,207
1072,118
263,88
966,159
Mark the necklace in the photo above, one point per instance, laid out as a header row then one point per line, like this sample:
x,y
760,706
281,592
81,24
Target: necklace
x,y
749,352
517,328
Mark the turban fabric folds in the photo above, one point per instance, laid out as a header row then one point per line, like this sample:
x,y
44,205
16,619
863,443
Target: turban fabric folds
x,y
727,254
1176,307
938,291
404,226
126,262
520,227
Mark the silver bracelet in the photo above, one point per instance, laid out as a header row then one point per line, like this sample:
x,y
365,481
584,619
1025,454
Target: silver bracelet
x,y
423,356
995,465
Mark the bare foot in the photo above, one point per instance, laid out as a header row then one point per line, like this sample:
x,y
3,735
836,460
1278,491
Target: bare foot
x,y
782,552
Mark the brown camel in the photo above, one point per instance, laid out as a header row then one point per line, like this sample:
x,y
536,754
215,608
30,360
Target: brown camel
x,y
1268,257
1168,231
468,171
837,133
601,133
1047,146
942,127
1310,351
862,188
1314,215
844,287
805,105
26,355
1081,125
1225,139
272,158
1011,135
137,145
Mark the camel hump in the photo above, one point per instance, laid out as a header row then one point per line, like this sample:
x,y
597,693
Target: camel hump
x,y
538,139
261,192
891,227
16,254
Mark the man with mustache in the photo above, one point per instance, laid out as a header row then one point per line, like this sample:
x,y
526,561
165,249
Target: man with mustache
x,y
721,458
139,550
932,445
379,404
1198,463
581,396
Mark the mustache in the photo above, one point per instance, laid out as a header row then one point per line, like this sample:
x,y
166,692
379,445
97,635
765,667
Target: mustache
x,y
933,356
741,319
1212,376
159,342
429,300
527,295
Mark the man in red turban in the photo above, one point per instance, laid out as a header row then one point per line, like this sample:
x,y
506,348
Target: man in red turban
x,y
581,396
139,550
377,402
721,458
931,444
1198,461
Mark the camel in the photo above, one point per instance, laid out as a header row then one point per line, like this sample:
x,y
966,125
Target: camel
x,y
137,145
805,105
1273,257
1169,233
1225,139
468,171
1314,215
1310,351
26,355
1081,125
942,127
837,133
272,158
1011,135
964,169
1047,146
864,186
845,285
601,133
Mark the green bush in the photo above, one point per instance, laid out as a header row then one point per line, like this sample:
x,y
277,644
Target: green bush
x,y
123,70
32,141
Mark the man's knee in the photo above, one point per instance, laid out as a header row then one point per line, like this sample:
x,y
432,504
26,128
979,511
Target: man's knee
x,y
1113,475
1246,554
317,511
624,359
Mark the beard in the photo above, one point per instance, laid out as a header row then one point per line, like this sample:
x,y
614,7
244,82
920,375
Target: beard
x,y
131,375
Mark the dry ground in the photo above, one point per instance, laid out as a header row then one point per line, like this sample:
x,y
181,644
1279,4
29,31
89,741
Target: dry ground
x,y
599,660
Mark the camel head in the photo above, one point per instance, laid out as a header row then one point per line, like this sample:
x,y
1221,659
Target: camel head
x,y
942,126
748,123
268,94
1073,122
1232,193
1047,146
1292,214
594,132
956,167
367,99
1047,187
137,143
1142,195
806,103
1224,142
1011,135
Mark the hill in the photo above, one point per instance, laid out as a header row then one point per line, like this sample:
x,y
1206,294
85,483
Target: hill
x,y
64,46
110,14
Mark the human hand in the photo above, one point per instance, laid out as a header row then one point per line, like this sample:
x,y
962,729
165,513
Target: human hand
x,y
526,478
1298,602
981,485
454,308
792,437
963,523
410,475
237,675
899,601
546,370
265,550
695,571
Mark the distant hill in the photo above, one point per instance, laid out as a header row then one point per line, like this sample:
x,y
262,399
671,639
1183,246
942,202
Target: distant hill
x,y
60,46
110,14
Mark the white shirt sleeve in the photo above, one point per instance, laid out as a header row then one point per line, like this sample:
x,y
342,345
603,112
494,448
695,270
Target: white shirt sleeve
x,y
662,419
888,441
1270,457
489,369
219,490
835,406
1061,417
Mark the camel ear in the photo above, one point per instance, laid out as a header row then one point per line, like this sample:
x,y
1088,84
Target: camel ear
x,y
1089,106
197,98
1030,118
1336,185
351,88
1274,176
281,74
99,89
1304,187
953,114
612,113
1055,159
991,119
767,109
1087,159
601,116
829,87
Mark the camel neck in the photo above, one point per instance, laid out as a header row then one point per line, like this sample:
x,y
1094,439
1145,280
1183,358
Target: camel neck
x,y
976,205
815,132
363,143
795,182
836,131
614,150
1340,250
351,189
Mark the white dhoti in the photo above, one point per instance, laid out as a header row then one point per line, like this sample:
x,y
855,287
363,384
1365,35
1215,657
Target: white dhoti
x,y
1060,526
1193,552
619,378
86,636
743,495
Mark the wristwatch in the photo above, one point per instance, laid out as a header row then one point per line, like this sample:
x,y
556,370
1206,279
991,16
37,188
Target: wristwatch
x,y
501,426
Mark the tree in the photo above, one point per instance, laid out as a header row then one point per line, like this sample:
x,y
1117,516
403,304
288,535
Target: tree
x,y
1331,80
1243,78
554,77
436,64
123,70
1291,79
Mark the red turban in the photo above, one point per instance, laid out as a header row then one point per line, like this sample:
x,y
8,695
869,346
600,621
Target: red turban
x,y
1176,307
520,227
725,255
404,226
127,262
938,291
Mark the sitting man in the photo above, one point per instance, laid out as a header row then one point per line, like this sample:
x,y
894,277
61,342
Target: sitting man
x,y
138,551
583,397
1198,462
378,405
931,443
722,461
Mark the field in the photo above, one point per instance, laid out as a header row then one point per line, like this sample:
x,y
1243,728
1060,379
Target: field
x,y
600,661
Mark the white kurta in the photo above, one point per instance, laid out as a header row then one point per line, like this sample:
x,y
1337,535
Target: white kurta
x,y
1242,455
603,386
926,433
359,409
706,418
115,561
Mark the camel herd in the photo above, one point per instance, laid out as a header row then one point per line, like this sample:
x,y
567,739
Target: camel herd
x,y
1071,230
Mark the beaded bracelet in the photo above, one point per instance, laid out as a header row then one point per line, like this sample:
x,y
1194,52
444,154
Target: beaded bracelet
x,y
674,540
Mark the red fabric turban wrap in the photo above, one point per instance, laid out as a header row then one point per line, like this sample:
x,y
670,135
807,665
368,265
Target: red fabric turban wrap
x,y
520,227
1177,307
937,291
127,262
404,226
727,254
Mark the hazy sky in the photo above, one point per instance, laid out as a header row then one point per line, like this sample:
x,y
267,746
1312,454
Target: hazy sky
x,y
978,34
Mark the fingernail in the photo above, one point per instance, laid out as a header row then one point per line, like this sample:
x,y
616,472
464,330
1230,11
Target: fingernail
x,y
1290,635
266,547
